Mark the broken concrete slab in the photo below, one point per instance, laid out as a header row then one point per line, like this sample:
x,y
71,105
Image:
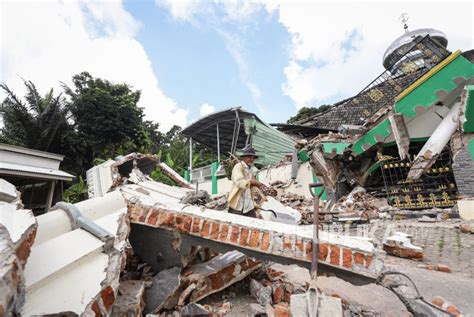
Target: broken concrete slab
x,y
218,273
129,300
263,294
284,214
299,305
164,292
400,245
8,191
12,282
257,310
293,277
329,306
466,209
194,310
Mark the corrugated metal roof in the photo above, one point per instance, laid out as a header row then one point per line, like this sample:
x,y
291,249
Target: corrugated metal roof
x,y
271,145
32,171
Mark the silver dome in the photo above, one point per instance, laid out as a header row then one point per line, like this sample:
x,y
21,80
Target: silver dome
x,y
402,44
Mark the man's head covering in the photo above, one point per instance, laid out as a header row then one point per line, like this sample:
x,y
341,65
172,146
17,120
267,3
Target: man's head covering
x,y
248,151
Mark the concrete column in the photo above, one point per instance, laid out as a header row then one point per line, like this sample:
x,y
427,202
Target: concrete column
x,y
49,199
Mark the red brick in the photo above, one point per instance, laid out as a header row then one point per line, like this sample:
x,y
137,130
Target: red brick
x,y
96,309
323,251
309,250
134,211
254,238
443,268
23,251
196,223
215,231
335,255
170,220
143,214
278,293
347,258
163,217
224,232
108,297
187,223
206,228
299,244
287,242
234,235
153,217
358,258
368,260
265,241
244,236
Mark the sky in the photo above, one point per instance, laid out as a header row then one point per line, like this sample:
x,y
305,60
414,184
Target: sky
x,y
190,58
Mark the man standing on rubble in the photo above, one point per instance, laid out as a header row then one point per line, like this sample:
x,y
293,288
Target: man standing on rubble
x,y
243,179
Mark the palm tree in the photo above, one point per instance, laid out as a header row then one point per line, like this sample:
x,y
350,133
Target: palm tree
x,y
39,122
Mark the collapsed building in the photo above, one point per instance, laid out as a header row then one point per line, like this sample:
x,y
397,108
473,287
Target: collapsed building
x,y
84,247
407,136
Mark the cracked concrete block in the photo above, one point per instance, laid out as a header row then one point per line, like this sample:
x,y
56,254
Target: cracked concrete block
x,y
330,306
129,301
8,191
263,294
194,310
400,245
12,288
218,273
299,305
163,293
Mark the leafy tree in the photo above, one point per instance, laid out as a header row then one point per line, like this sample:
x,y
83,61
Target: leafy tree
x,y
76,192
39,122
107,119
307,112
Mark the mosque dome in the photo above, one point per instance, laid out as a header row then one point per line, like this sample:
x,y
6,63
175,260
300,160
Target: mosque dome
x,y
404,43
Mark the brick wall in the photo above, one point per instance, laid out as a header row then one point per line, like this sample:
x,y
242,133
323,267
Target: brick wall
x,y
463,168
254,234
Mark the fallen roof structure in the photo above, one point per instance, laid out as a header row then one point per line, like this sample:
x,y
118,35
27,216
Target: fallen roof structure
x,y
416,101
84,279
228,131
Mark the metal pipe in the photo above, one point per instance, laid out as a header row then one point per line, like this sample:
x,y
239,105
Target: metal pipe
x,y
218,144
49,199
190,157
315,249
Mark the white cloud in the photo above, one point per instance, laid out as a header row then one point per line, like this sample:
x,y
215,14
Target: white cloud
x,y
206,109
322,67
49,42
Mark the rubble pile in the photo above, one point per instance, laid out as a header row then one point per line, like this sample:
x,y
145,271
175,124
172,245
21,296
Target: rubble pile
x,y
360,204
17,233
300,203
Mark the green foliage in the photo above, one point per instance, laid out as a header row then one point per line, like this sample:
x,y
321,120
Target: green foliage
x,y
77,192
39,122
99,120
106,117
307,112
